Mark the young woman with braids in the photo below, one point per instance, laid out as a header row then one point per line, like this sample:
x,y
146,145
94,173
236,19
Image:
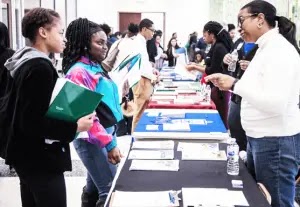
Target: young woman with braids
x,y
37,146
219,38
85,49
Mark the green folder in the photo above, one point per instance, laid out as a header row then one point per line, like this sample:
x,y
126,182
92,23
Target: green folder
x,y
70,101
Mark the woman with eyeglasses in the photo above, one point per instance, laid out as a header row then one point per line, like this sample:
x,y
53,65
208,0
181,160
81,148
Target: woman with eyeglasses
x,y
269,110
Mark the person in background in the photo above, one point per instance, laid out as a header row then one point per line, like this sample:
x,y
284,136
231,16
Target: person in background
x,y
152,47
107,29
231,31
174,35
171,52
149,76
201,45
133,30
219,38
84,51
192,47
37,146
161,56
271,121
235,39
199,57
118,35
5,53
115,37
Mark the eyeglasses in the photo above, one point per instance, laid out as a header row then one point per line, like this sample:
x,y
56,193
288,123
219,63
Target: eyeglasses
x,y
241,19
151,29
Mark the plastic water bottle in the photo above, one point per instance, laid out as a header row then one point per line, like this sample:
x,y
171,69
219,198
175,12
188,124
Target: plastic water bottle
x,y
232,157
234,57
207,93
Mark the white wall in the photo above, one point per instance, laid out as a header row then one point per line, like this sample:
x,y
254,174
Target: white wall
x,y
183,17
29,4
71,11
49,4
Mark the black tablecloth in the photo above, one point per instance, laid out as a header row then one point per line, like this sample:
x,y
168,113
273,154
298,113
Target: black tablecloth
x,y
198,174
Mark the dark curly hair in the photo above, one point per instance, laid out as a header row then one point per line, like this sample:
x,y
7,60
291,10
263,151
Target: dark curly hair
x,y
78,37
36,18
133,28
106,28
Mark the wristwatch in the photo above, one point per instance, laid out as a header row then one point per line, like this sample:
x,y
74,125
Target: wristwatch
x,y
234,82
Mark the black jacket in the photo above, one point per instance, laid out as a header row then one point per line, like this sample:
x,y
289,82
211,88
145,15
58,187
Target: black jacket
x,y
24,126
4,55
152,50
171,59
214,59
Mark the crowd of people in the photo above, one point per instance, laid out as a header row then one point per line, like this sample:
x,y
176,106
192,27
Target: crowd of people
x,y
260,111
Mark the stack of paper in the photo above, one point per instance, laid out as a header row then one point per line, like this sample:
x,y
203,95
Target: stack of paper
x,y
177,127
203,155
144,199
155,165
168,145
186,91
150,127
212,197
151,154
182,146
201,151
190,121
184,101
154,97
163,102
173,114
153,114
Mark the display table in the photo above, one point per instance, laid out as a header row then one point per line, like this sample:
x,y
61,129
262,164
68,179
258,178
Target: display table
x,y
197,174
213,127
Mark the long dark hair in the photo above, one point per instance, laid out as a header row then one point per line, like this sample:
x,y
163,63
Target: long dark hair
x,y
220,33
286,27
170,44
78,37
4,40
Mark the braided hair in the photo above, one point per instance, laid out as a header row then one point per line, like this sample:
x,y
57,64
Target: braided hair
x,y
78,37
220,33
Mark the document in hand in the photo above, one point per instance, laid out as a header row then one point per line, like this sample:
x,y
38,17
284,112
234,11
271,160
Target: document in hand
x,y
70,101
144,199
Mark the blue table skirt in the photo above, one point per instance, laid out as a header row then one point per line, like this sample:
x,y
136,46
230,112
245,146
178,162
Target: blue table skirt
x,y
214,123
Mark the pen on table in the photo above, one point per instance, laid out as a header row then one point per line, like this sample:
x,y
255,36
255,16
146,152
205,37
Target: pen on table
x,y
172,199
